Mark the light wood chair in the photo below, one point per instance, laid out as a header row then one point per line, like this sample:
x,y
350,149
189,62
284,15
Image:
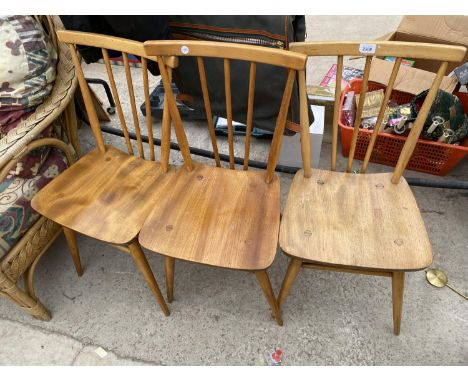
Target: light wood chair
x,y
108,193
216,216
360,223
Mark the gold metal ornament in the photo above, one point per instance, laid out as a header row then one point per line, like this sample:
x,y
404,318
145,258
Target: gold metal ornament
x,y
439,279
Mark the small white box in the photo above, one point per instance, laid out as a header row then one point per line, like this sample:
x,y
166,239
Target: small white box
x,y
290,154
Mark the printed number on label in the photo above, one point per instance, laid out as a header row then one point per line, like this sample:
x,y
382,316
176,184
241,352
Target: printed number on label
x,y
184,49
367,48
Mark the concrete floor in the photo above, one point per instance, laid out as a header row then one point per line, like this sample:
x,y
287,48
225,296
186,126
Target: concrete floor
x,y
220,317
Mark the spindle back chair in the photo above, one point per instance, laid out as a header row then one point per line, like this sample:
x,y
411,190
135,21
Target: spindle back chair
x,y
213,215
107,194
360,223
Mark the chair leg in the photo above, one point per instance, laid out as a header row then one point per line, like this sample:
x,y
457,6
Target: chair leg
x,y
264,281
32,306
70,236
398,283
169,264
145,269
293,269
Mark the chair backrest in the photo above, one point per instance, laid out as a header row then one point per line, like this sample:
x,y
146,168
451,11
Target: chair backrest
x,y
126,48
399,50
292,63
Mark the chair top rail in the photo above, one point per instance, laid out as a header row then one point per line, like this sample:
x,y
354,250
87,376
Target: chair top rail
x,y
278,57
436,52
111,43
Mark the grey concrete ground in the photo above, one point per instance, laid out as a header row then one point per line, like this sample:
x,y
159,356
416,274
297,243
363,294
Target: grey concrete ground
x,y
220,317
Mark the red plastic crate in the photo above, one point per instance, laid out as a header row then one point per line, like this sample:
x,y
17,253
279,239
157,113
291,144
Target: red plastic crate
x,y
428,156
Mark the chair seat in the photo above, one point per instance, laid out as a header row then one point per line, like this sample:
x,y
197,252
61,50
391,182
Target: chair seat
x,y
106,196
215,216
356,221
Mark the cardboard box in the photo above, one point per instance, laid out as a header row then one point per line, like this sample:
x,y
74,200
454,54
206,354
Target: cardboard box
x,y
426,29
409,80
290,154
452,30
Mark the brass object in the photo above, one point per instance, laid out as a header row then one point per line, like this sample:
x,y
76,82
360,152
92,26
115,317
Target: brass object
x,y
439,279
372,103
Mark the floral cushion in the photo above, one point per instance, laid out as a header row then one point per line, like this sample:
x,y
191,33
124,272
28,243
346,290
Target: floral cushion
x,y
16,213
28,63
27,74
30,164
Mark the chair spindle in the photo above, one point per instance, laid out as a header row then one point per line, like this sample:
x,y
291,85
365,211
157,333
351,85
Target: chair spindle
x,y
227,87
131,95
305,125
279,127
209,115
380,117
93,118
413,136
250,105
174,113
336,110
149,122
357,121
115,93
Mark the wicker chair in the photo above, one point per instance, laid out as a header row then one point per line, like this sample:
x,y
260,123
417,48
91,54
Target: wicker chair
x,y
23,257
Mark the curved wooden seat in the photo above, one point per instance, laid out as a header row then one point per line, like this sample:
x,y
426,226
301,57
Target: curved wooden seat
x,y
215,216
107,194
354,221
211,215
104,195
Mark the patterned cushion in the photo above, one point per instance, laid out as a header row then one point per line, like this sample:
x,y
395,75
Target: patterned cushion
x,y
16,213
29,164
27,61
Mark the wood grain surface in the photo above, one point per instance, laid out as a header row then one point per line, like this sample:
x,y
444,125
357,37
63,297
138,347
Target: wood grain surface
x,y
353,220
215,216
106,196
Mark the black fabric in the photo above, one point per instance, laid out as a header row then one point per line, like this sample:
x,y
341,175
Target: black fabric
x,y
271,31
138,28
275,32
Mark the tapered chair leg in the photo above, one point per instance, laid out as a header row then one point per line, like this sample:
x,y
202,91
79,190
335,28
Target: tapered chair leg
x,y
145,269
293,269
398,283
264,282
169,264
70,236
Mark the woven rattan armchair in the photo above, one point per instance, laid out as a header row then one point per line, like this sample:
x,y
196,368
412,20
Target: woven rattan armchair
x,y
23,257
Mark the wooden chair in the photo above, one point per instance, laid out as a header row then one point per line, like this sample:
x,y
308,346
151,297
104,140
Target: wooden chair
x,y
108,193
212,215
360,223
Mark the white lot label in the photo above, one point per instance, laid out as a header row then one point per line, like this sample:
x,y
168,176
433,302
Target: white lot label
x,y
367,48
184,49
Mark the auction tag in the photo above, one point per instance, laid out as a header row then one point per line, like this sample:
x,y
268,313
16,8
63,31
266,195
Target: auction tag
x,y
367,48
184,49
